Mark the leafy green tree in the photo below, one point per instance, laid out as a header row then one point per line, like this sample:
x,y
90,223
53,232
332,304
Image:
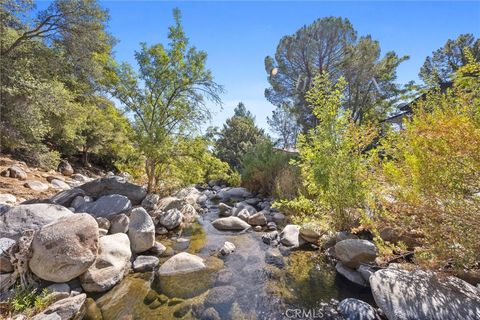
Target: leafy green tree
x,y
445,61
167,97
332,162
330,45
238,134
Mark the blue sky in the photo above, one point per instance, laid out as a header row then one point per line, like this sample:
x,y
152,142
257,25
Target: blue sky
x,y
238,35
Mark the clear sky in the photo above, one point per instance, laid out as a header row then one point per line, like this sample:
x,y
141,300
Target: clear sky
x,y
238,35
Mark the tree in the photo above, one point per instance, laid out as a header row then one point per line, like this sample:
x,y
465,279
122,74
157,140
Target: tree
x,y
445,61
284,123
167,96
330,45
238,134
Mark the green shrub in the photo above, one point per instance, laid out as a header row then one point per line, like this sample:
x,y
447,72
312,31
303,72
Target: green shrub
x,y
263,167
28,300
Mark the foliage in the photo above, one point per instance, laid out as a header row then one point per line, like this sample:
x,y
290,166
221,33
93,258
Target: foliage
x,y
330,45
261,166
432,168
284,123
28,300
166,97
239,133
445,61
332,160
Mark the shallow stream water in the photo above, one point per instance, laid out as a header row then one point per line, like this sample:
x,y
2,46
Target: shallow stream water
x,y
302,289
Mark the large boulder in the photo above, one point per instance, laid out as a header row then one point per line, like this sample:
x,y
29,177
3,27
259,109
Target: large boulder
x,y
59,184
29,216
64,249
354,309
181,263
190,194
353,252
311,232
189,213
141,230
290,235
224,210
420,294
145,263
110,266
170,219
14,172
240,206
150,201
168,203
65,309
230,223
106,206
257,219
114,185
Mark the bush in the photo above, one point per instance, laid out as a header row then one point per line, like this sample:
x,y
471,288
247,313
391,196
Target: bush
x,y
265,169
28,300
332,161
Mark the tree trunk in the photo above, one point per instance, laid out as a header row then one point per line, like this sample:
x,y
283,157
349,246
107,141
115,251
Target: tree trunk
x,y
85,157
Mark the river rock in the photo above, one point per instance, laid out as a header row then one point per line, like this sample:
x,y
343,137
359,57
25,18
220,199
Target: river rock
x,y
168,203
190,194
7,198
234,194
230,223
290,235
119,223
103,223
366,272
354,309
145,263
65,198
65,248
107,206
224,277
170,219
351,274
311,232
109,267
181,263
150,201
270,237
15,172
221,297
141,230
158,249
227,248
243,214
36,186
278,218
240,206
257,219
225,210
353,252
65,309
273,256
210,314
29,216
252,201
189,213
421,294
59,184
114,185
80,178
5,264
65,168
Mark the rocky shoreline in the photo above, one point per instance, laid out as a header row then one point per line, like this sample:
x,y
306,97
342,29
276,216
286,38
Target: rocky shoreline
x,y
86,239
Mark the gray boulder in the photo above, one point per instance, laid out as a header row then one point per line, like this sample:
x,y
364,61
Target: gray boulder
x,y
15,172
145,263
353,252
29,216
114,185
405,295
119,223
107,206
257,219
141,230
150,201
273,256
65,248
111,264
234,194
290,235
225,210
243,214
221,297
354,309
230,223
7,198
351,274
59,184
240,206
189,213
65,309
311,232
65,168
170,219
227,248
